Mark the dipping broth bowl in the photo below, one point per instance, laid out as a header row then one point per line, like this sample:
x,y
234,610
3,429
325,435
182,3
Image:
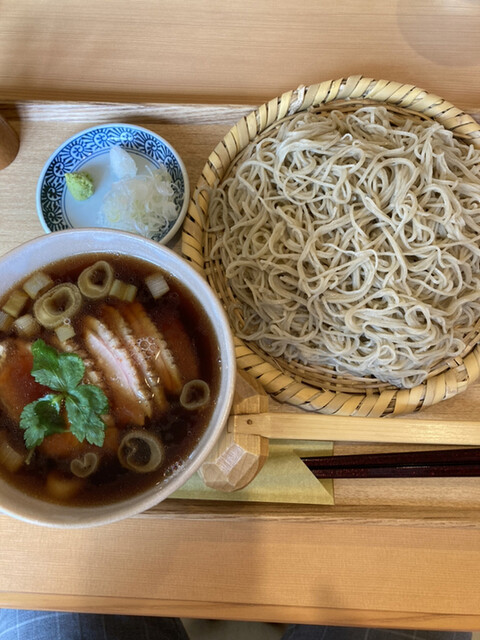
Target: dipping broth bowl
x,y
37,255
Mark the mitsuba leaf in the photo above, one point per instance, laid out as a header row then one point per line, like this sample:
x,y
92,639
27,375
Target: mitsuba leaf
x,y
95,397
84,404
58,371
40,419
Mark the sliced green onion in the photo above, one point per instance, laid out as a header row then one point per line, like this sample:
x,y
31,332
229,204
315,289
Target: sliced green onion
x,y
15,303
65,332
6,321
96,281
123,291
140,451
57,305
157,285
26,326
37,284
195,394
85,466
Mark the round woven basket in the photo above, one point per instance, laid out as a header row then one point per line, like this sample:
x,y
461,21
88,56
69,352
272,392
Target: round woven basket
x,y
321,389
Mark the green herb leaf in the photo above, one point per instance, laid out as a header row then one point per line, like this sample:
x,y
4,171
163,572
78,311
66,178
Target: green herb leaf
x,y
84,404
95,397
59,371
41,418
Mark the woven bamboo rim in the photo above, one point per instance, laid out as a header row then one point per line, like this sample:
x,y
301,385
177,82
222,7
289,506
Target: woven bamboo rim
x,y
321,389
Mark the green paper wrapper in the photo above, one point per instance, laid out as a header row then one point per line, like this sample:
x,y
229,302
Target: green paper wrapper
x,y
284,478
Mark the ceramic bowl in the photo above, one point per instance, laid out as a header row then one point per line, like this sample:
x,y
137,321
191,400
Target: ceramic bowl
x,y
36,255
88,151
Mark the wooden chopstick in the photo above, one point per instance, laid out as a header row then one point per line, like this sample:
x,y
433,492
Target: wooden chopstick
x,y
406,471
314,426
415,464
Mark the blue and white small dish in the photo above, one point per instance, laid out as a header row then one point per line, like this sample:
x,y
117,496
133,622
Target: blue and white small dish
x,y
88,151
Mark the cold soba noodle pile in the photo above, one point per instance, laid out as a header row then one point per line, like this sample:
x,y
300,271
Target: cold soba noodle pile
x,y
352,241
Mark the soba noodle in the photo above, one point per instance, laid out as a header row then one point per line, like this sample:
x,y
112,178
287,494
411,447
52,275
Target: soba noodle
x,y
352,241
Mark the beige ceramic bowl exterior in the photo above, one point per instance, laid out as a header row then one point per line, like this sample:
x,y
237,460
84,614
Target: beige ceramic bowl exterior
x,y
37,254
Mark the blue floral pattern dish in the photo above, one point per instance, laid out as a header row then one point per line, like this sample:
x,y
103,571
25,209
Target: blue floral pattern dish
x,y
89,151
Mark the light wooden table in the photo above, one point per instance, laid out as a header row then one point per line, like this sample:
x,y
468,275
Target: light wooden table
x,y
402,553
391,554
225,51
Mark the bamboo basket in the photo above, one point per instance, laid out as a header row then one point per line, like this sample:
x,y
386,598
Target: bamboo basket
x,y
321,389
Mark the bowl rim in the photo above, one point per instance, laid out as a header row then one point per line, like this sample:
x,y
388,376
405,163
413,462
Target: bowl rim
x,y
48,514
108,125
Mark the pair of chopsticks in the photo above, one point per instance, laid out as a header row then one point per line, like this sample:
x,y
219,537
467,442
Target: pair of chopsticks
x,y
415,464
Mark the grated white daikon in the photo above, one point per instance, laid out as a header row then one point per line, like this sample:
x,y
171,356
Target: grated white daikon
x,y
122,163
143,204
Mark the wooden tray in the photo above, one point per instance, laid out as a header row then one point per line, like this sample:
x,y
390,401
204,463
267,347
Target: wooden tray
x,y
194,131
350,563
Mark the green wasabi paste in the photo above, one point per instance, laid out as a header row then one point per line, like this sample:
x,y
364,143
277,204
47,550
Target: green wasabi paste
x,y
80,184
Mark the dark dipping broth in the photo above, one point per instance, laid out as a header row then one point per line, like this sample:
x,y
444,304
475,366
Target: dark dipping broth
x,y
190,339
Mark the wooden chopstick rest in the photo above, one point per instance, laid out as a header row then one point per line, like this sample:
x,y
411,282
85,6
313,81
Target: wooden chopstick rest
x,y
237,458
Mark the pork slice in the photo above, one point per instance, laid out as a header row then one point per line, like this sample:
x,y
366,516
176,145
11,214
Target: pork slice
x,y
153,345
179,342
129,394
117,324
92,374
